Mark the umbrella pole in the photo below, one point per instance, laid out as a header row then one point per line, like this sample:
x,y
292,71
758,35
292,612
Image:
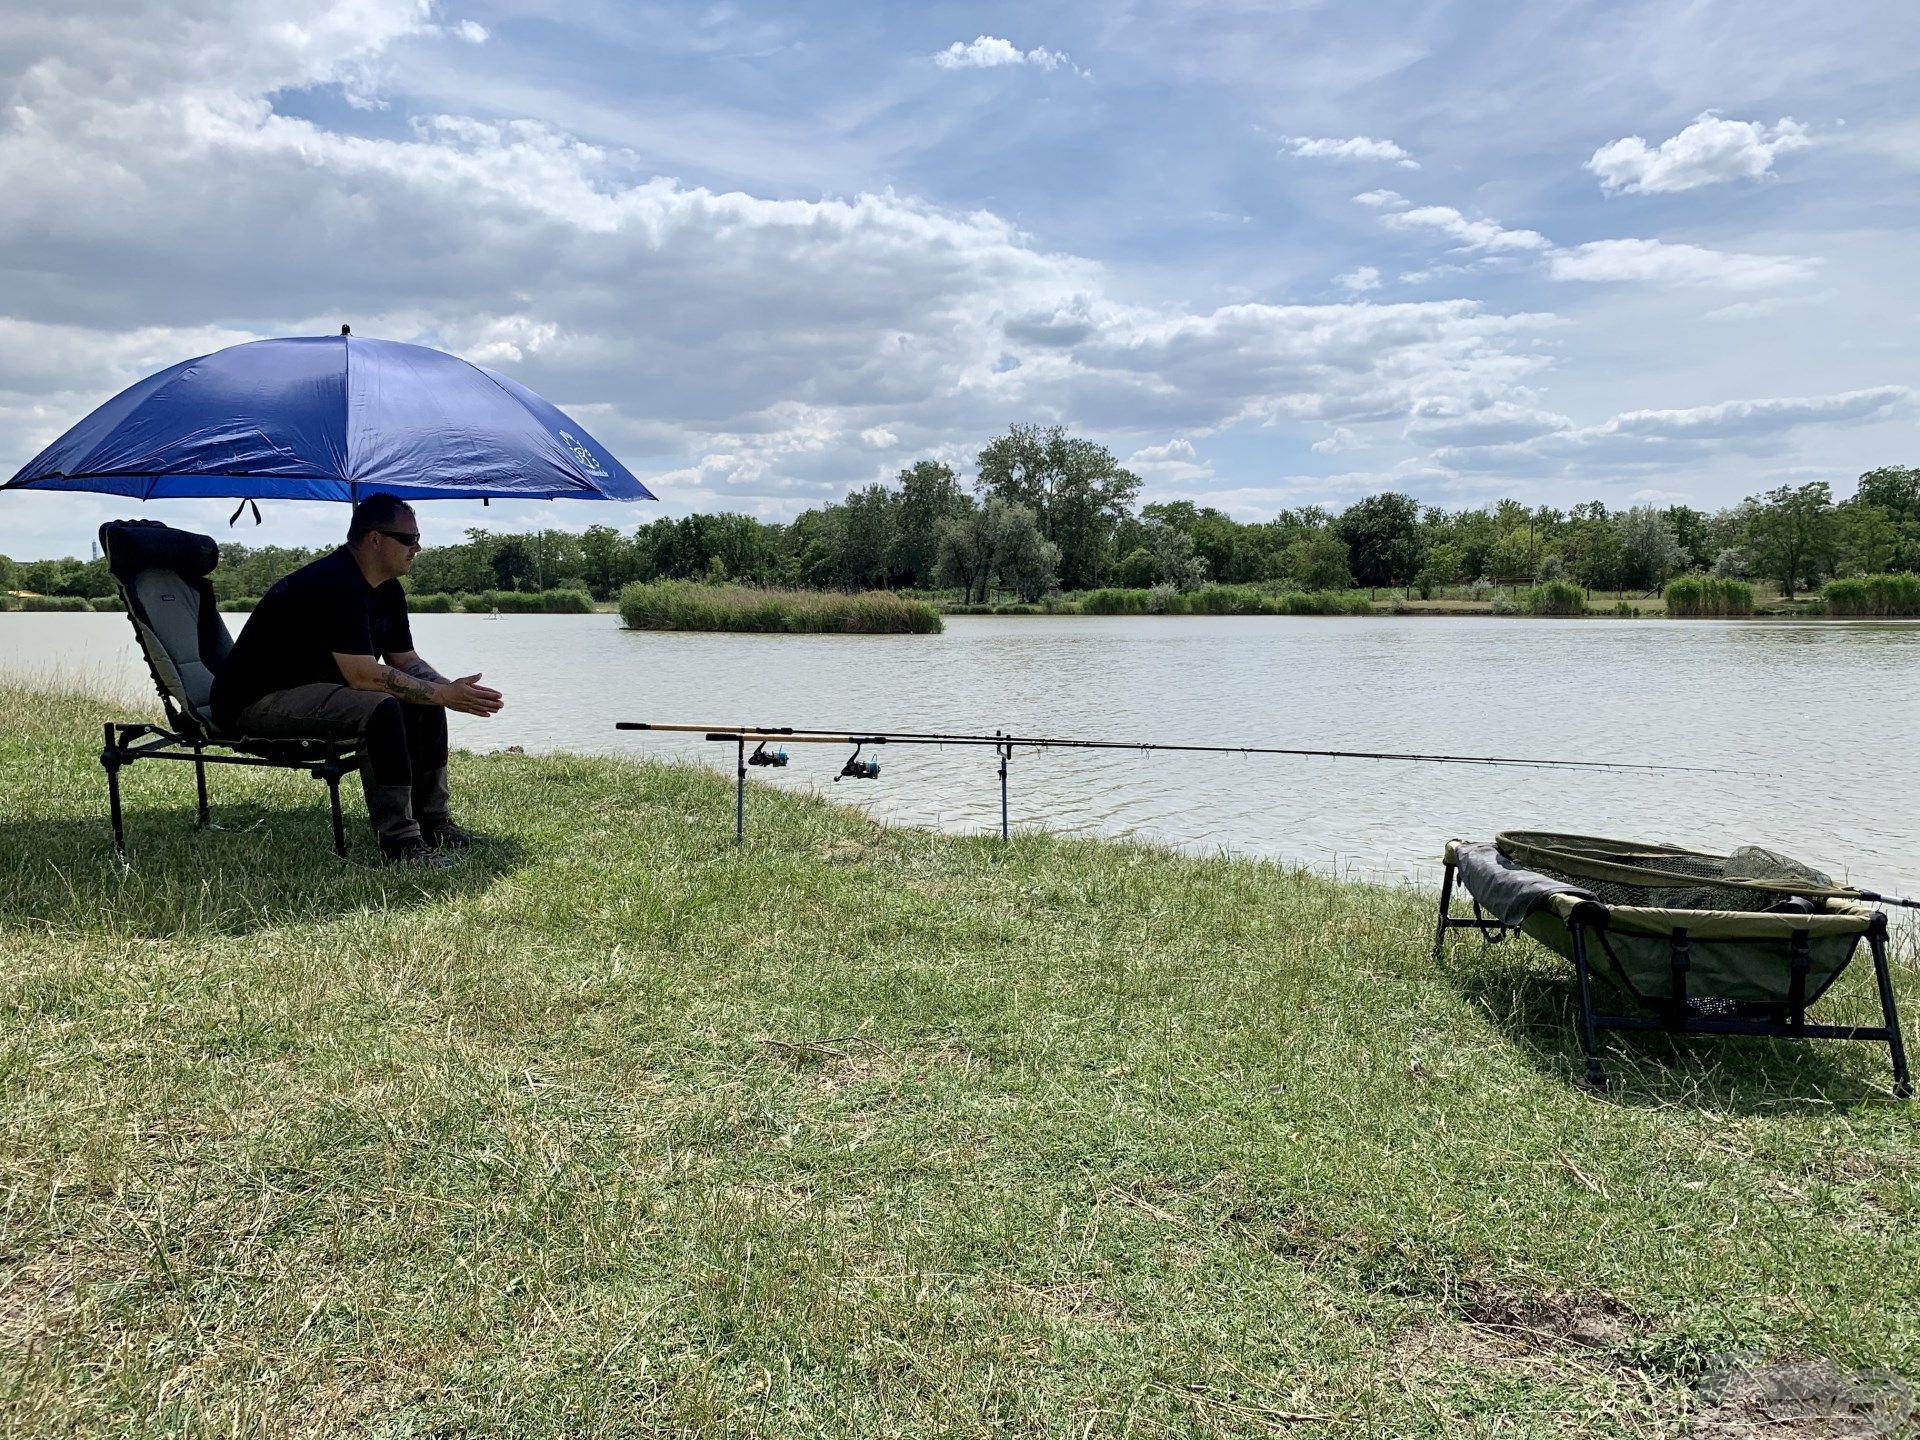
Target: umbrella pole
x,y
740,791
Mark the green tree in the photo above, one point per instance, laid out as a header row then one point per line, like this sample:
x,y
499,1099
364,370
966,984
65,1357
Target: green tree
x,y
1382,536
1649,550
869,530
1317,560
1075,490
997,543
1792,532
930,495
1136,569
1174,560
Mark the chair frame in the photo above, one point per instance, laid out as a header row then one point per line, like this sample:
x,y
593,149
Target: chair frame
x,y
190,737
1588,919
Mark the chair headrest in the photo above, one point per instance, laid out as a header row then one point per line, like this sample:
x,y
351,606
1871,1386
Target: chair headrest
x,y
135,545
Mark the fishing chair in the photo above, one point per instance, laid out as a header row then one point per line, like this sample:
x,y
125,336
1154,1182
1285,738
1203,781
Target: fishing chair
x,y
162,576
1704,944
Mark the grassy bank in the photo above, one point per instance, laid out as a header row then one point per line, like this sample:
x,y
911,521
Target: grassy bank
x,y
684,605
618,1130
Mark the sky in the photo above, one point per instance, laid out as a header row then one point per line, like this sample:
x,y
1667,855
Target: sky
x,y
1269,254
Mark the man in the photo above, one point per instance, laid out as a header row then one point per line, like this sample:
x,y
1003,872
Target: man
x,y
328,654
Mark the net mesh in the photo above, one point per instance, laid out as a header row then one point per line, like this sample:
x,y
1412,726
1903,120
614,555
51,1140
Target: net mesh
x,y
1662,878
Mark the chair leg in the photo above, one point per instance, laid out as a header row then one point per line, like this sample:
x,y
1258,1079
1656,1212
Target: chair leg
x,y
1446,902
333,801
110,762
1877,943
200,782
1595,1078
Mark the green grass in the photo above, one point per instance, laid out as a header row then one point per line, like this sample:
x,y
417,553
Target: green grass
x,y
619,1130
684,605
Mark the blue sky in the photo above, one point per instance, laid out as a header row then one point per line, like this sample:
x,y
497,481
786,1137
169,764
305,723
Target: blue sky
x,y
1268,254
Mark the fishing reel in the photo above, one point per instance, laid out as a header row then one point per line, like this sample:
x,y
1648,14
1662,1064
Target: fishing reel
x,y
763,756
858,769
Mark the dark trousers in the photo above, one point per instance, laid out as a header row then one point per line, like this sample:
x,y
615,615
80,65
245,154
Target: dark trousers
x,y
404,770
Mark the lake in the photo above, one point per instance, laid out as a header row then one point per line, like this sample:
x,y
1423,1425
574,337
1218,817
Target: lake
x,y
1824,710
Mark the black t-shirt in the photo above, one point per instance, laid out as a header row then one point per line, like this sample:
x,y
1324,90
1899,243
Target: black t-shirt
x,y
319,611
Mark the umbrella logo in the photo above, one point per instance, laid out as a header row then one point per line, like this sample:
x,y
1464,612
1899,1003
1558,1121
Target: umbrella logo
x,y
584,457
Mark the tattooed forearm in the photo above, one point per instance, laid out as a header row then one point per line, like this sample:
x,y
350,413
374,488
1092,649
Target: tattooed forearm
x,y
402,686
421,670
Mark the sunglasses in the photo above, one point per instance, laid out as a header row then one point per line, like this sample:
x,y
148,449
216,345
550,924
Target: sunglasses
x,y
409,538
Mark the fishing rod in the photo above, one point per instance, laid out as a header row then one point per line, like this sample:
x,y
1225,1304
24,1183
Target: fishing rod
x,y
1004,745
821,735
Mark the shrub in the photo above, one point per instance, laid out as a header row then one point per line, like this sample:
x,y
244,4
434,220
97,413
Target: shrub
x,y
54,602
112,604
240,604
1556,597
1873,595
432,603
1708,597
680,605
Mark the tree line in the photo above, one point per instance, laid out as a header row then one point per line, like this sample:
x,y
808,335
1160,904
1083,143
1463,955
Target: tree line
x,y
1046,510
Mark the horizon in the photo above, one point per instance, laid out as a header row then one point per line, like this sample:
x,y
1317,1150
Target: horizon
x,y
1267,259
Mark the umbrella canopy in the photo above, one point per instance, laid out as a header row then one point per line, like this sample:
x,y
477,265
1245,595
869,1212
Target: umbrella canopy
x,y
330,417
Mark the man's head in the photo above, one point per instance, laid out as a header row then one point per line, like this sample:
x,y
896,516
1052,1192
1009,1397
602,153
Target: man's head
x,y
384,536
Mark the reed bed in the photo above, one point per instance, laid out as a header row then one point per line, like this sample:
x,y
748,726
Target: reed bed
x,y
1711,597
527,602
684,605
1873,596
1224,600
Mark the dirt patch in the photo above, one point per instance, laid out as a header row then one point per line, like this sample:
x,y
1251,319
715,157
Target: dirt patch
x,y
1504,1328
37,1297
835,1065
1801,1400
1077,1301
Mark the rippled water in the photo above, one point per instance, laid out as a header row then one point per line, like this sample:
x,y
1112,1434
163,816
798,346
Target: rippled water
x,y
1825,709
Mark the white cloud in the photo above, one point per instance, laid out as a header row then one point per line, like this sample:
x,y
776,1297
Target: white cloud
x,y
1477,235
1367,277
1659,497
1174,463
1671,264
988,52
1708,152
1638,439
879,438
1745,310
1341,440
471,31
1359,147
1380,199
1480,420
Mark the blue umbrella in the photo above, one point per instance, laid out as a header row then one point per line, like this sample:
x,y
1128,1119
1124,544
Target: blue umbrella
x,y
330,417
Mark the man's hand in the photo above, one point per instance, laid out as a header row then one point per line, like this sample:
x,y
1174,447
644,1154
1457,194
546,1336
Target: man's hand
x,y
470,697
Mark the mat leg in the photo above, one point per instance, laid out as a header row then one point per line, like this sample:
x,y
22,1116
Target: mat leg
x,y
1877,943
1446,904
200,782
1595,1078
